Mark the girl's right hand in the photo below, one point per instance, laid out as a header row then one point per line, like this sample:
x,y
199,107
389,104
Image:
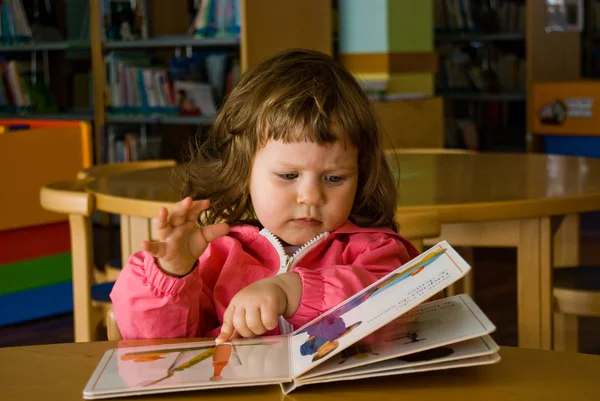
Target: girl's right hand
x,y
182,240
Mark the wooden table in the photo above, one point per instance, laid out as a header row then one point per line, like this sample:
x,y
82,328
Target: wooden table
x,y
527,201
60,372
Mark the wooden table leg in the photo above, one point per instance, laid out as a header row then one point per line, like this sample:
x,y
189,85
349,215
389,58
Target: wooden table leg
x,y
566,252
534,284
84,315
532,238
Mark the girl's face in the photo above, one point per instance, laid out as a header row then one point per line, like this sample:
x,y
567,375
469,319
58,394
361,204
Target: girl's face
x,y
302,189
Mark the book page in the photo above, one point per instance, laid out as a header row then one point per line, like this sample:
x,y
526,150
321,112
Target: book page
x,y
375,306
475,347
139,370
461,363
426,326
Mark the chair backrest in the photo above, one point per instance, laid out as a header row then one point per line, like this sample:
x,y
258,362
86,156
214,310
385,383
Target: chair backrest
x,y
133,228
112,329
418,226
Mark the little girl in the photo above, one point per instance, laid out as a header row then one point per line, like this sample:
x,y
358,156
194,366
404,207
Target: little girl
x,y
289,210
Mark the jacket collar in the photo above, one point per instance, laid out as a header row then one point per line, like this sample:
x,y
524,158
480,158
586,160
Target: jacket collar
x,y
347,228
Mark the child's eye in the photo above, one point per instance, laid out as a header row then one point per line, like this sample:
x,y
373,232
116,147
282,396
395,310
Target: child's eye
x,y
334,179
288,176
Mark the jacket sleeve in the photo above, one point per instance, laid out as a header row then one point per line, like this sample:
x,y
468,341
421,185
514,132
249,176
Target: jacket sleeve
x,y
151,304
324,288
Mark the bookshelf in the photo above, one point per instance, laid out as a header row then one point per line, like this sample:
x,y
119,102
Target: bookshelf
x,y
267,26
482,72
45,60
491,51
590,39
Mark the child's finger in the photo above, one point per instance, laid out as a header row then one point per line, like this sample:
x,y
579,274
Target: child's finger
x,y
160,223
179,212
214,231
239,323
227,326
156,249
196,208
269,317
254,321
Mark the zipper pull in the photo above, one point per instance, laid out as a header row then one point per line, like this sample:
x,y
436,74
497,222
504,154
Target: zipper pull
x,y
284,266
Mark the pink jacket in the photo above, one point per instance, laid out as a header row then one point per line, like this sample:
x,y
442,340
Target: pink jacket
x,y
332,267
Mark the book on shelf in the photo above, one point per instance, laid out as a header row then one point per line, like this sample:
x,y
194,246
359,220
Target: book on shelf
x,y
217,18
388,328
472,16
476,69
123,145
194,85
24,90
14,26
124,19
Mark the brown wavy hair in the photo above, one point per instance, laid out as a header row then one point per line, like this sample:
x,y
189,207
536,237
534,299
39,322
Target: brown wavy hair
x,y
297,95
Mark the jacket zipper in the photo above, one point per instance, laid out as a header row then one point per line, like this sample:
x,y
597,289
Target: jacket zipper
x,y
286,263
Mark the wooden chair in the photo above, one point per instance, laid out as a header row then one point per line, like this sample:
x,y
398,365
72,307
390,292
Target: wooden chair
x,y
127,224
576,293
112,329
416,227
69,197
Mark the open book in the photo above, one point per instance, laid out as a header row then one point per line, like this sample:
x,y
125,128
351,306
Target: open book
x,y
385,329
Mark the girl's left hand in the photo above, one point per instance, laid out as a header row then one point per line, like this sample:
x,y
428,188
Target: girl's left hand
x,y
254,310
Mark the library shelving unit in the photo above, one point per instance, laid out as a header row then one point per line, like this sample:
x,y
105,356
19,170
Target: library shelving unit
x,y
590,39
44,49
496,49
267,26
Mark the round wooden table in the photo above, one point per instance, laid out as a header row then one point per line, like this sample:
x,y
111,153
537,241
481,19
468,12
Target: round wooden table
x,y
61,371
527,201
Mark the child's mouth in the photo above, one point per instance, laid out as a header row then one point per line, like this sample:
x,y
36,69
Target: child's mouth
x,y
307,222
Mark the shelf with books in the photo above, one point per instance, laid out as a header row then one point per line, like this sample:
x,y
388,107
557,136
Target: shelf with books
x,y
172,41
158,119
45,60
167,31
81,115
46,46
480,15
497,49
483,71
150,82
147,89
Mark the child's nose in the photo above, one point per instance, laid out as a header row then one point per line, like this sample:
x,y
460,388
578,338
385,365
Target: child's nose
x,y
311,194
